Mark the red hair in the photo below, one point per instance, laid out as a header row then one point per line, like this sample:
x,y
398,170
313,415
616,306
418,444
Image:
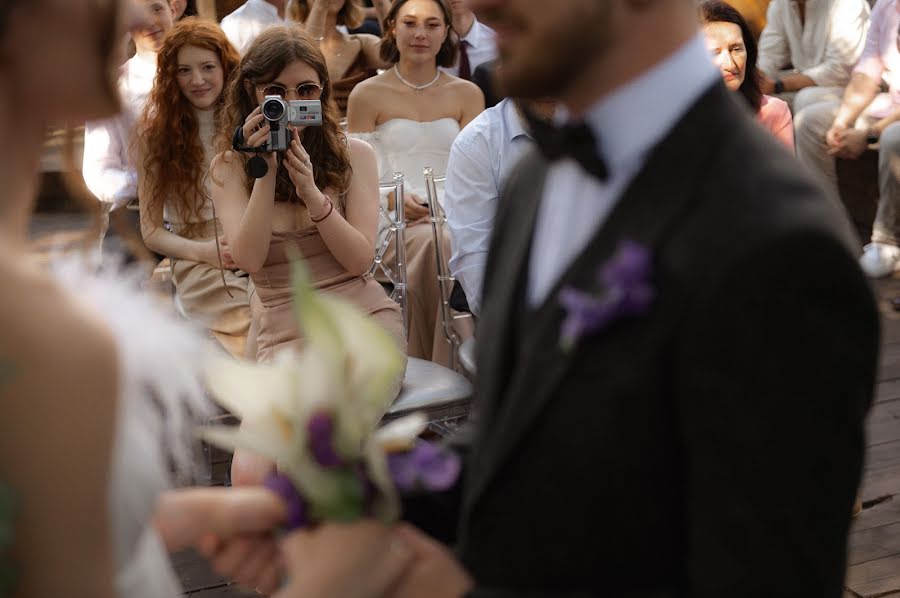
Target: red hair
x,y
169,133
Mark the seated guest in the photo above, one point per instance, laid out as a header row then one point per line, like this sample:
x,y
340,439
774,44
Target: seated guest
x,y
481,158
351,58
845,128
194,63
412,113
813,44
477,41
733,50
320,196
108,169
250,19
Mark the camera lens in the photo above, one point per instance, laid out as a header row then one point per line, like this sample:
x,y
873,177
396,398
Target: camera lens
x,y
273,109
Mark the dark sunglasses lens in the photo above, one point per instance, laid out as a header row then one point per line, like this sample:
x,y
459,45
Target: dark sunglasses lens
x,y
308,91
275,90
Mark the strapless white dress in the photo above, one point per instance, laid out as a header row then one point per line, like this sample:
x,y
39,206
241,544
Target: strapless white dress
x,y
409,146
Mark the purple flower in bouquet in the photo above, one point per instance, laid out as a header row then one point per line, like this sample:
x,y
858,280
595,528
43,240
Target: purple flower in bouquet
x,y
426,466
625,291
321,440
282,485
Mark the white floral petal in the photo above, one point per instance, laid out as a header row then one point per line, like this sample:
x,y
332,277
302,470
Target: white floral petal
x,y
400,434
247,389
232,438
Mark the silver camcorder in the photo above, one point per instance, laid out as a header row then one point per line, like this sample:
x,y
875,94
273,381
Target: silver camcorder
x,y
280,114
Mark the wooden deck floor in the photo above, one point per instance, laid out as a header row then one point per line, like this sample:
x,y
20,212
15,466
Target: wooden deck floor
x,y
874,543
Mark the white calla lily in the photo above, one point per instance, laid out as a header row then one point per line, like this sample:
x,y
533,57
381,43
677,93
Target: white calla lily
x,y
348,368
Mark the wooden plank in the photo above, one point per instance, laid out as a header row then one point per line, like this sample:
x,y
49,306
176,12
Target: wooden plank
x,y
883,513
194,571
223,592
875,543
887,390
884,422
885,455
890,362
875,578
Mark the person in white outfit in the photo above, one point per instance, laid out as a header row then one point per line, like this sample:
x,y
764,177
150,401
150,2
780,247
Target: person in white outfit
x,y
864,118
108,168
250,19
808,44
477,41
481,158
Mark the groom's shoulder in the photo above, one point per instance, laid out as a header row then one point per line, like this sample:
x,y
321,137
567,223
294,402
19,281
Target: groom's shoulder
x,y
757,190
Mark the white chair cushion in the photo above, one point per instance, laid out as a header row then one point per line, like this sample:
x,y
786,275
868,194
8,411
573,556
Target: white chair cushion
x,y
429,387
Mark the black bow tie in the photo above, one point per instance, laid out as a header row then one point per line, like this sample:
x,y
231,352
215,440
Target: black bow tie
x,y
573,140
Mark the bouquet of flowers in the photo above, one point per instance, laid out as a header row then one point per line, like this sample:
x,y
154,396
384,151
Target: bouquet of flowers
x,y
314,413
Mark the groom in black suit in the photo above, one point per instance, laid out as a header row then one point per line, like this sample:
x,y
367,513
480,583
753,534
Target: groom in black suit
x,y
702,436
677,349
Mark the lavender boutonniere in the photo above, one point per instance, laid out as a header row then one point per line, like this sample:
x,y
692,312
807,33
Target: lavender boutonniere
x,y
624,290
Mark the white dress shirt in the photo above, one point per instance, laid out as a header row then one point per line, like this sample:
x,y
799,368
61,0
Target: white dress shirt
x,y
482,47
824,47
243,25
481,159
108,169
628,123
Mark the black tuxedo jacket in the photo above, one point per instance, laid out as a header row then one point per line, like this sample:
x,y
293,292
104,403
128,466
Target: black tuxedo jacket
x,y
711,447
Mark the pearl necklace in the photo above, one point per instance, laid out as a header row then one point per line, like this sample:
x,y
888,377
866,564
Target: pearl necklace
x,y
414,86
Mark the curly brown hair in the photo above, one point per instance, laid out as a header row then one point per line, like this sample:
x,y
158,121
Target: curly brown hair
x,y
351,15
272,51
446,56
168,128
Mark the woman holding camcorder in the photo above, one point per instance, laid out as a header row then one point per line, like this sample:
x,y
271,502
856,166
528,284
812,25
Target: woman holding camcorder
x,y
319,195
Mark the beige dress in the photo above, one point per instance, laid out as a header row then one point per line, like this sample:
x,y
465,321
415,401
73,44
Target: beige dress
x,y
221,306
271,293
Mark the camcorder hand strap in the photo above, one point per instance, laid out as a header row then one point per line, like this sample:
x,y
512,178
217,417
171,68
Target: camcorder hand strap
x,y
256,165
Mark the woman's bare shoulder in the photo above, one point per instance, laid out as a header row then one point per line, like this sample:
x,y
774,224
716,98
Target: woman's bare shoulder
x,y
463,88
373,86
359,148
367,39
226,165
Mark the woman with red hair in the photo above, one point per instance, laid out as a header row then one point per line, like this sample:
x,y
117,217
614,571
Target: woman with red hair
x,y
175,146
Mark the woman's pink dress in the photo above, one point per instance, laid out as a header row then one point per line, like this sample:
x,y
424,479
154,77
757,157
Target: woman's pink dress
x,y
775,115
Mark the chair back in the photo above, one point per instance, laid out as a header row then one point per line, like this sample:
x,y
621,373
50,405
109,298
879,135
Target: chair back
x,y
445,279
396,272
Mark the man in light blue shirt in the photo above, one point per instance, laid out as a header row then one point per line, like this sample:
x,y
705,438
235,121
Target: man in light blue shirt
x,y
482,156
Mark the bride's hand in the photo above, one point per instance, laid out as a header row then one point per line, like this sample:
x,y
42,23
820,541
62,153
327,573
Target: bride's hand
x,y
256,134
415,208
232,527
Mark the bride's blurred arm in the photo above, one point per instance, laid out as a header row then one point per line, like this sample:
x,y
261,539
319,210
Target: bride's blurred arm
x,y
56,434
